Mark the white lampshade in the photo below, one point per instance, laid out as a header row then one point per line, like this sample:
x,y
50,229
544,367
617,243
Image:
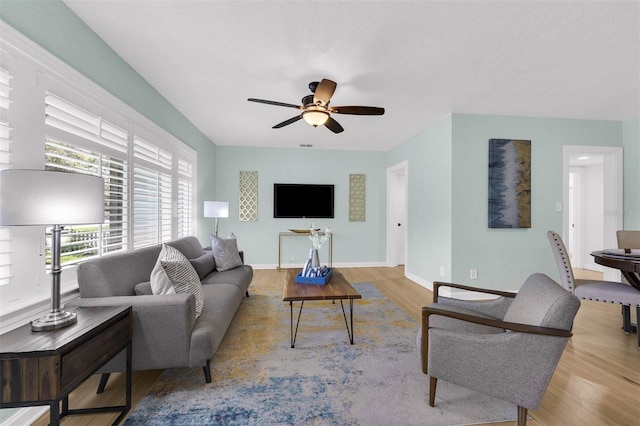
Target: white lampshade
x,y
315,118
38,197
216,209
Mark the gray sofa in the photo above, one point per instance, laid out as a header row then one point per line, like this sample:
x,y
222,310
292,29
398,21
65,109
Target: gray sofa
x,y
166,333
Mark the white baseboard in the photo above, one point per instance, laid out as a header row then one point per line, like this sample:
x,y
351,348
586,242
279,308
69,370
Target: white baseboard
x,y
335,265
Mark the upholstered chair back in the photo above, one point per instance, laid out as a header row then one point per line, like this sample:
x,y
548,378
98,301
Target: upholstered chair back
x,y
628,239
562,261
542,302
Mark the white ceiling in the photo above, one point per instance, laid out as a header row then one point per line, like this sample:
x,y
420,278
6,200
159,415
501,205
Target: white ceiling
x,y
420,60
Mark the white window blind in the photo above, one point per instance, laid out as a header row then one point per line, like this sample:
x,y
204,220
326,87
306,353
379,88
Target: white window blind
x,y
80,142
151,206
5,163
5,127
185,198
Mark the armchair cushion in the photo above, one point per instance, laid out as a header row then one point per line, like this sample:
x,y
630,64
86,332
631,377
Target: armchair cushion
x,y
438,321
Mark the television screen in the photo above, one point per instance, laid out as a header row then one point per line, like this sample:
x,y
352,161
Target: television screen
x,y
292,200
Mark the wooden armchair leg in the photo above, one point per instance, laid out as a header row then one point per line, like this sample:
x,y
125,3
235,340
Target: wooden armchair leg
x,y
432,390
522,416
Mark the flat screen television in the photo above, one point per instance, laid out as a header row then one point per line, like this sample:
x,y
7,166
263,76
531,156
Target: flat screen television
x,y
295,200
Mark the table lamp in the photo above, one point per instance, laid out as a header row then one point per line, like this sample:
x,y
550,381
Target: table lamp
x,y
46,198
216,209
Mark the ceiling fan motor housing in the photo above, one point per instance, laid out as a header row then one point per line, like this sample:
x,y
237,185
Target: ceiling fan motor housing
x,y
307,100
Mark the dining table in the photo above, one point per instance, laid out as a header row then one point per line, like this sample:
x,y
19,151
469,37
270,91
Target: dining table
x,y
628,262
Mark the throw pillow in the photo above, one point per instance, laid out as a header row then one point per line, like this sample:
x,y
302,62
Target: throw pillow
x,y
173,273
204,264
143,289
225,252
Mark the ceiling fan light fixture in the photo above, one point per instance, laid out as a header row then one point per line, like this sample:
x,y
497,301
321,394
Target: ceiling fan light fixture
x,y
315,118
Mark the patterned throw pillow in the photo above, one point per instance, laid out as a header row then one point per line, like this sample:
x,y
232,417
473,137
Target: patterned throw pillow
x,y
225,251
173,273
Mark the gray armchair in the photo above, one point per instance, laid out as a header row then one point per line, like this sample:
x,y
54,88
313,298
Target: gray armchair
x,y
596,290
507,348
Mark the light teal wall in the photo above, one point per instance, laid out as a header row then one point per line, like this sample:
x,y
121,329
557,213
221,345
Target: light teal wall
x,y
52,25
505,257
429,202
354,242
448,192
447,171
631,144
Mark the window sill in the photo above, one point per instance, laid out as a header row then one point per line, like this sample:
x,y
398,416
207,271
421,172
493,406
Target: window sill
x,y
17,313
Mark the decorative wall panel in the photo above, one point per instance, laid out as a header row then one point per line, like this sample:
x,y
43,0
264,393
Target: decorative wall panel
x,y
248,196
357,198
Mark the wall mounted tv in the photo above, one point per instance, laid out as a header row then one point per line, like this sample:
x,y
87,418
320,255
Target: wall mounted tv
x,y
294,200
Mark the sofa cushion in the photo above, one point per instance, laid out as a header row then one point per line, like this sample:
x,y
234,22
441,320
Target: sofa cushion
x,y
204,264
240,277
225,252
173,273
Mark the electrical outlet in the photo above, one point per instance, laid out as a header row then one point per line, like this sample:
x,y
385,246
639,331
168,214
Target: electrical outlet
x,y
473,274
442,271
293,258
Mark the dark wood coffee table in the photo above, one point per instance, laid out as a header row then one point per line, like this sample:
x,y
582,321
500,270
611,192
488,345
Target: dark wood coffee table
x,y
338,288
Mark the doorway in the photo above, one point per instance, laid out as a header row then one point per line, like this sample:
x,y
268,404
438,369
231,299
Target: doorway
x,y
397,225
592,196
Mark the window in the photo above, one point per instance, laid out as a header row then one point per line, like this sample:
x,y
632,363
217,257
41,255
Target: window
x,y
80,142
5,163
152,195
65,122
185,198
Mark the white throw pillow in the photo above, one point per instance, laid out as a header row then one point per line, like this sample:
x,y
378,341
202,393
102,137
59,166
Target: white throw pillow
x,y
225,252
173,273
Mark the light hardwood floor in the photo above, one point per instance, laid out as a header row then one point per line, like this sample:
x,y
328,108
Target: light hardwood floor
x,y
596,383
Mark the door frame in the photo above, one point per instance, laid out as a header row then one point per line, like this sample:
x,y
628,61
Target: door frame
x,y
613,189
391,228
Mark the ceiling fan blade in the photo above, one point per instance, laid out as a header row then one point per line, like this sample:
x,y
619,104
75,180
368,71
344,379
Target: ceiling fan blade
x,y
324,91
264,101
287,122
333,125
357,110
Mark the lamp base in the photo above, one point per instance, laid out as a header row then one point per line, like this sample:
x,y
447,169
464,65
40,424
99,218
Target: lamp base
x,y
53,321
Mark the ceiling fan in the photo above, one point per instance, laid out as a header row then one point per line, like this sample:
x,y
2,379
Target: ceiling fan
x,y
316,110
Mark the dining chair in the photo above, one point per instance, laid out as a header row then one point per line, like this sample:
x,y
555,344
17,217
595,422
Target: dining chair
x,y
596,290
628,240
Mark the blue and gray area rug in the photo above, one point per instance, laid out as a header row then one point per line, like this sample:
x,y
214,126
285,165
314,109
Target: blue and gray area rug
x,y
258,379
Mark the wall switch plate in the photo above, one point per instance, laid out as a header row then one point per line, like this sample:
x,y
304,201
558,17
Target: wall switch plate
x,y
442,271
473,274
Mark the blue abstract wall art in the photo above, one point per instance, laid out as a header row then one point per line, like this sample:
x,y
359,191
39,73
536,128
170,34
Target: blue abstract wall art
x,y
509,183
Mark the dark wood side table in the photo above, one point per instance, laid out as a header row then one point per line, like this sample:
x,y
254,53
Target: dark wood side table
x,y
43,367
